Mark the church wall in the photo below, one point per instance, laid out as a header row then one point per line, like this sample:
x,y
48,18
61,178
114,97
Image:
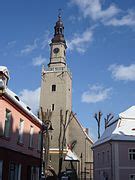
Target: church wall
x,y
83,146
61,98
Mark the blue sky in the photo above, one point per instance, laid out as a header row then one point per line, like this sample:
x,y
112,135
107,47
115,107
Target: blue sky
x,y
100,35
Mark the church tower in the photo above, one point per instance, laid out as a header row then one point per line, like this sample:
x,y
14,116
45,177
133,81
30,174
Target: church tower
x,y
56,95
56,85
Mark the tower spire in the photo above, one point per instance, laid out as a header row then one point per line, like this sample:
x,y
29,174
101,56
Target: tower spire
x,y
58,45
59,30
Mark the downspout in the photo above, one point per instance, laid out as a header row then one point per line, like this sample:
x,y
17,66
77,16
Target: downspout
x,y
85,161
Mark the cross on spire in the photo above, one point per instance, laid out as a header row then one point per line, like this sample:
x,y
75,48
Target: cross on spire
x,y
59,12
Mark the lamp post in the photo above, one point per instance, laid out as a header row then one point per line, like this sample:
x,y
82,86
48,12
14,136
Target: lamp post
x,y
41,173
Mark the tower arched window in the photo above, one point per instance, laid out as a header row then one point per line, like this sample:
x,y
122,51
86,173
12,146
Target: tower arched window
x,y
53,87
57,30
61,30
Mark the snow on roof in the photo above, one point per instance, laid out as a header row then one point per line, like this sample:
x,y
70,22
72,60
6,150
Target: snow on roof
x,y
129,113
4,70
26,108
71,156
121,129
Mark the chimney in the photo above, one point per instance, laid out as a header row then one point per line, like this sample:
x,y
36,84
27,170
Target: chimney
x,y
4,77
87,131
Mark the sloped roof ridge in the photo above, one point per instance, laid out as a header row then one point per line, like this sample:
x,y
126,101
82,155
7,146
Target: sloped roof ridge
x,y
22,105
83,129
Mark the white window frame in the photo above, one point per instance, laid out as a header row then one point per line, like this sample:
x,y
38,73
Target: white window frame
x,y
21,127
8,117
131,155
31,136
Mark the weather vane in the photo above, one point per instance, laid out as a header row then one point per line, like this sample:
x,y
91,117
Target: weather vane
x,y
59,12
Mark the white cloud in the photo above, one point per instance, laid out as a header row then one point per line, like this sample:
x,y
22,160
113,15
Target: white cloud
x,y
94,9
39,60
112,15
96,93
31,98
46,39
80,41
127,20
122,72
29,48
11,44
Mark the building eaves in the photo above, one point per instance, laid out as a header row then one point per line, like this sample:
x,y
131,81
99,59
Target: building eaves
x,y
16,100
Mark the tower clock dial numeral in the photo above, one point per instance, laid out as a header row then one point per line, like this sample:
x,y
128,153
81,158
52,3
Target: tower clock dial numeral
x,y
56,50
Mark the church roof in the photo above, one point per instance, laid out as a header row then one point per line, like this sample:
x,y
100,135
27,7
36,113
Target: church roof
x,y
122,129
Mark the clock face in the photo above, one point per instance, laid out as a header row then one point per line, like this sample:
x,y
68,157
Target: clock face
x,y
56,50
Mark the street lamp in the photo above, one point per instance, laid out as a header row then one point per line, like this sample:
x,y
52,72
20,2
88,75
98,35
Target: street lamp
x,y
41,173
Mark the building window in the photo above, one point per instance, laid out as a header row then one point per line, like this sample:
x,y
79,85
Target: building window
x,y
1,164
15,171
21,126
53,87
132,177
131,153
51,137
103,156
60,30
39,141
31,137
34,173
52,107
108,156
7,123
98,156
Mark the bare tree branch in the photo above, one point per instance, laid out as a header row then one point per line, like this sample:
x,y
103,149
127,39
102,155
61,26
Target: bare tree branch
x,y
98,116
108,118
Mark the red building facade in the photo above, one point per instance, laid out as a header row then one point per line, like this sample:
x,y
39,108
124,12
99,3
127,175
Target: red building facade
x,y
20,136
